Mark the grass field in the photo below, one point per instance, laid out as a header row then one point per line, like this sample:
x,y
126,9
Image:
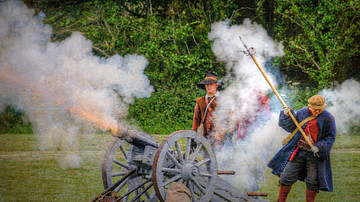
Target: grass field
x,y
29,174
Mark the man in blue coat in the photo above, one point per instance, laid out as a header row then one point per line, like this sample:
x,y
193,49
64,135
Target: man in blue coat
x,y
297,160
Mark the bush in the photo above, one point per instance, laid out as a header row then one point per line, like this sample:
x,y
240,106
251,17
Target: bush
x,y
12,121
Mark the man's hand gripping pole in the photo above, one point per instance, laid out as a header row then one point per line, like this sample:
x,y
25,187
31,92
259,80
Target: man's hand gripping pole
x,y
251,52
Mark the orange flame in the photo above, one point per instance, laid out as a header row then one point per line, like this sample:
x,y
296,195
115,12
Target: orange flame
x,y
101,122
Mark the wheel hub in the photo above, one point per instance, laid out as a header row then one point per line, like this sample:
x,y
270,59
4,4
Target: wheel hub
x,y
189,171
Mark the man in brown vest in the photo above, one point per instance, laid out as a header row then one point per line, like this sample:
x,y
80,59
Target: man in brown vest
x,y
203,113
205,105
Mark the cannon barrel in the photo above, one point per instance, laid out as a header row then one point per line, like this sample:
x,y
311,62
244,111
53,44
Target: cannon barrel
x,y
136,138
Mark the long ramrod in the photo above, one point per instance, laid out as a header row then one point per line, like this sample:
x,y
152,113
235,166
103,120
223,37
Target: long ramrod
x,y
251,52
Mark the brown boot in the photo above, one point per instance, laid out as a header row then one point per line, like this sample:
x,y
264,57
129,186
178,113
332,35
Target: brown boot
x,y
310,195
283,192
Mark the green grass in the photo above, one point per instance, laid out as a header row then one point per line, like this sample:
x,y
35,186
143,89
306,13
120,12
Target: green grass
x,y
346,173
28,174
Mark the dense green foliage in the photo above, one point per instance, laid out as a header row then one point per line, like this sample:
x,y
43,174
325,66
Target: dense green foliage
x,y
320,38
172,35
12,121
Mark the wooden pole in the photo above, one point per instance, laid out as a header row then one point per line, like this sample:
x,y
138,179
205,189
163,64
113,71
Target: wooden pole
x,y
277,95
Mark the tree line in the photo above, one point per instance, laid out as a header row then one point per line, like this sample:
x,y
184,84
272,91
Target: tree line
x,y
321,40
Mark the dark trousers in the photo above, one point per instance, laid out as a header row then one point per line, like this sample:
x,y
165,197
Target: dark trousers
x,y
303,161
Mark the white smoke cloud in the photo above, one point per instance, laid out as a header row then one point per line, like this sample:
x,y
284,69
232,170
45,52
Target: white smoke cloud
x,y
240,100
241,95
251,155
62,87
344,104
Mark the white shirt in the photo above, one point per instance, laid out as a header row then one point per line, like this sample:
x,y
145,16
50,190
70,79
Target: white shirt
x,y
215,95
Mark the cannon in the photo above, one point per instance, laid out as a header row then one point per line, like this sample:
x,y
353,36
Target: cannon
x,y
137,168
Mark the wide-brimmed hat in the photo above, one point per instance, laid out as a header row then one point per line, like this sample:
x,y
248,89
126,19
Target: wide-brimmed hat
x,y
317,102
209,79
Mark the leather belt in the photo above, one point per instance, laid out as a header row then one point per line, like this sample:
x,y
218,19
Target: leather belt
x,y
304,146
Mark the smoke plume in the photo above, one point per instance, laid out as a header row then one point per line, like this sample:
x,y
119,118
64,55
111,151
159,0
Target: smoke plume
x,y
63,89
344,104
239,104
241,101
241,98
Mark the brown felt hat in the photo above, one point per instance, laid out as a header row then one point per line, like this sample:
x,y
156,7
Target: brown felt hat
x,y
209,79
317,102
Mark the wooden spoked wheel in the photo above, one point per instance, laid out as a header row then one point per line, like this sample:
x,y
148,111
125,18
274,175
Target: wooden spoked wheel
x,y
186,157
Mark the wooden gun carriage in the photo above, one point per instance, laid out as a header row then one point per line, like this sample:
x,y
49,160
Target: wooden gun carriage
x,y
137,168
